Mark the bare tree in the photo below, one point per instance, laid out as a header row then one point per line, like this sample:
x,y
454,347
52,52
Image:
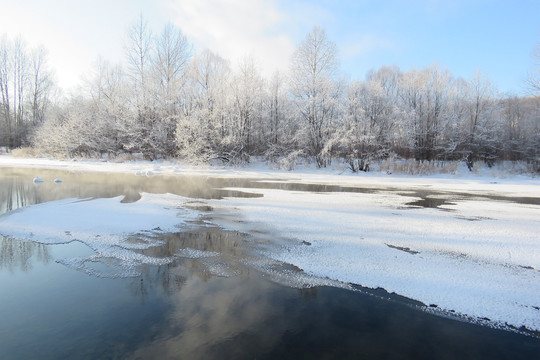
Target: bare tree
x,y
5,89
314,87
476,127
533,80
42,84
25,85
138,54
368,125
172,57
20,82
425,98
247,88
204,122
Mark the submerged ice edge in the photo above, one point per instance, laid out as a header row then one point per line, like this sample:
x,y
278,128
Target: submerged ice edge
x,y
301,278
506,300
84,264
433,309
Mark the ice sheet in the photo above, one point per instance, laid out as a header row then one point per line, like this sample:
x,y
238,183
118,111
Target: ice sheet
x,y
114,230
486,268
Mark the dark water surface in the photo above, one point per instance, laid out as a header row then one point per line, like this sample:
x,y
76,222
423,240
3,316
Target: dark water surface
x,y
188,310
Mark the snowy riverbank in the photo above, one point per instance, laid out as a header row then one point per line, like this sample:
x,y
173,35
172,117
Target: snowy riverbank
x,y
505,173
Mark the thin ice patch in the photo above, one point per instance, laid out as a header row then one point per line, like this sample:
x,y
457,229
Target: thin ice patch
x,y
101,267
196,254
220,268
116,231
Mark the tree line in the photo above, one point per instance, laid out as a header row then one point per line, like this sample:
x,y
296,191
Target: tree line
x,y
26,86
167,101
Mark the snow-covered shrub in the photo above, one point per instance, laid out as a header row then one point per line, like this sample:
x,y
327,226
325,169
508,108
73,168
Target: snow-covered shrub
x,y
291,161
415,167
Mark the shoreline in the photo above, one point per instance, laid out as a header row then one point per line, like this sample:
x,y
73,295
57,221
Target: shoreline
x,y
337,175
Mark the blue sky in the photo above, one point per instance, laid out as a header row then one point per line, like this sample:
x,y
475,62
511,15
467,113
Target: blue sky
x,y
496,37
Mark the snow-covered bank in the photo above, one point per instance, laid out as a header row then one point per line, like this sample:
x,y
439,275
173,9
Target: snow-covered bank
x,y
336,174
477,255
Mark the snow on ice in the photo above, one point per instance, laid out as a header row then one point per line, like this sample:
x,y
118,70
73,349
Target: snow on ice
x,y
111,228
486,268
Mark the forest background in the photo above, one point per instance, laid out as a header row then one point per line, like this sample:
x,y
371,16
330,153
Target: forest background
x,y
168,101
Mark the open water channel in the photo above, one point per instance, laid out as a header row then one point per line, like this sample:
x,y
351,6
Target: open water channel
x,y
200,308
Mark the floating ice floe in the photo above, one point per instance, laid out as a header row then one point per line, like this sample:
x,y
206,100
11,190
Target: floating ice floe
x,y
196,254
114,230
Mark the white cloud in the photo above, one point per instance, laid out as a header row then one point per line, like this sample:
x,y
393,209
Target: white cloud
x,y
76,33
69,57
236,28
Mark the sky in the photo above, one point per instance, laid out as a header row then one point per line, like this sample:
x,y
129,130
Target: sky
x,y
463,36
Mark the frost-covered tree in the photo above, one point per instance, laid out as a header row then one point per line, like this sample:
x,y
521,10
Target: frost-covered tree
x,y
275,106
25,88
425,97
519,129
157,72
42,85
280,123
164,102
315,89
533,79
247,88
170,66
478,129
202,125
366,133
138,50
14,81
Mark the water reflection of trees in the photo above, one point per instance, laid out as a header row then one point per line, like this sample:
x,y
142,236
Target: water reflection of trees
x,y
233,257
156,278
230,245
17,254
15,194
210,239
